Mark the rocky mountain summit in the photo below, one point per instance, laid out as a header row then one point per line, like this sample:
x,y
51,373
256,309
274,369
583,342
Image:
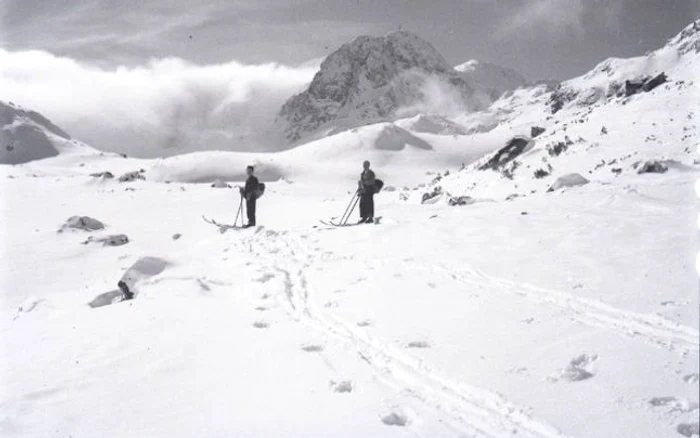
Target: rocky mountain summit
x,y
375,79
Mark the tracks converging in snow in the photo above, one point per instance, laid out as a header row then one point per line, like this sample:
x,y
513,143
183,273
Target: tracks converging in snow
x,y
652,329
470,410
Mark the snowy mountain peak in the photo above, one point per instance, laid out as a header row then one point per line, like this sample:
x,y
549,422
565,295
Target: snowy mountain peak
x,y
370,80
688,40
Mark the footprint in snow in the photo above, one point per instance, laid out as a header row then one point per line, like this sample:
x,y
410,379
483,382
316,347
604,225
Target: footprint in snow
x,y
691,378
342,386
261,308
418,344
265,278
674,403
31,304
359,280
261,324
312,348
365,323
580,368
395,418
688,429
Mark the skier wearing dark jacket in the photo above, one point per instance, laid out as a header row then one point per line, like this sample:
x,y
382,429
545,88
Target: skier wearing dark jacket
x,y
366,192
249,193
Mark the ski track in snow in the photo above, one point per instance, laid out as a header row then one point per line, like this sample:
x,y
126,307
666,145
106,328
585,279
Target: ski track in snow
x,y
470,410
652,329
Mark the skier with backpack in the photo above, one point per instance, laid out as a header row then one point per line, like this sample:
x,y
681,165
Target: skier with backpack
x,y
367,187
251,192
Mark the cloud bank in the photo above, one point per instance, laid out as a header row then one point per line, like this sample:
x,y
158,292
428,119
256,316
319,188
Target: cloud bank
x,y
165,107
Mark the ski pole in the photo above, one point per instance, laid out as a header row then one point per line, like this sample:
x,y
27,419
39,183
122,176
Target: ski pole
x,y
240,207
357,199
348,208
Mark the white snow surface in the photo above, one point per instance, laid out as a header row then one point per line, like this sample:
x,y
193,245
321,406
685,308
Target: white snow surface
x,y
564,314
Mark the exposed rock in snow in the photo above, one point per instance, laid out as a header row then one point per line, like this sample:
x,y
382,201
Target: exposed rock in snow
x,y
103,175
143,268
555,149
370,80
433,196
570,180
461,200
113,240
515,147
536,130
646,84
652,166
132,176
82,223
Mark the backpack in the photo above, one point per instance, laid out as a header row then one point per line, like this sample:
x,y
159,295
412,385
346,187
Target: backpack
x,y
260,190
378,184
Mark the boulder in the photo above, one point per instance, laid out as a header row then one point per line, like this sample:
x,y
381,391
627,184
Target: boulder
x,y
535,131
433,196
132,176
82,223
515,147
113,240
652,166
461,200
104,175
644,85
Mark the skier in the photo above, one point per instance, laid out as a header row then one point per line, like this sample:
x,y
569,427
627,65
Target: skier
x,y
249,193
366,192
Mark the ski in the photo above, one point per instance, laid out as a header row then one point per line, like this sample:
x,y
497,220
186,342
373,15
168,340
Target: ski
x,y
222,227
338,225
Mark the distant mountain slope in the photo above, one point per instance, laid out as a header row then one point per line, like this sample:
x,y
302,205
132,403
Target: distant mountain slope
x,y
492,79
26,135
604,125
372,79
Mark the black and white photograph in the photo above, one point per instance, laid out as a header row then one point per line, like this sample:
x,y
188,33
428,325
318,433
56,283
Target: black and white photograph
x,y
349,218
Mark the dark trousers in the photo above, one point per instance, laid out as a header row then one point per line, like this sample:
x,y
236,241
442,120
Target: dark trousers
x,y
367,205
250,209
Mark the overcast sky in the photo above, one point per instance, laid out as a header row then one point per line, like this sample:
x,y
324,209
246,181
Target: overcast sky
x,y
540,38
157,77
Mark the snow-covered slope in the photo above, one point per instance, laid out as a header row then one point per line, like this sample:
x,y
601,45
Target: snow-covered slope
x,y
603,125
375,79
571,313
491,79
27,135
